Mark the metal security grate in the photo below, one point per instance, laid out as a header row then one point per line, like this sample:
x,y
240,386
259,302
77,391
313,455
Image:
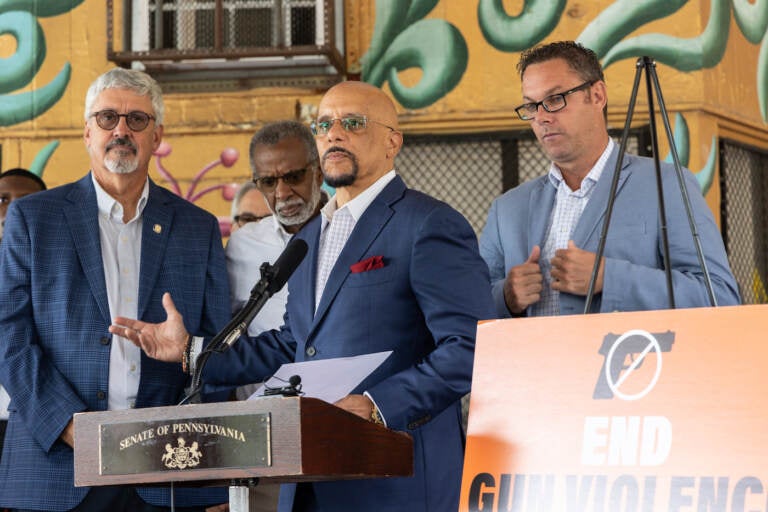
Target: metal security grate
x,y
216,45
226,24
744,217
470,171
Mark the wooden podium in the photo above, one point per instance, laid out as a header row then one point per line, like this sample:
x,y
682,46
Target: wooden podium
x,y
272,439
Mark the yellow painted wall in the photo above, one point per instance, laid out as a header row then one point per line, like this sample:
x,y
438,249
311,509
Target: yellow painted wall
x,y
721,101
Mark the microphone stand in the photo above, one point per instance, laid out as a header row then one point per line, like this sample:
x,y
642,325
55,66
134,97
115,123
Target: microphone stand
x,y
234,329
651,79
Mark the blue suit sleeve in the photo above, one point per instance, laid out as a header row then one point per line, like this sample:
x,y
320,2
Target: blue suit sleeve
x,y
43,397
638,286
450,283
492,251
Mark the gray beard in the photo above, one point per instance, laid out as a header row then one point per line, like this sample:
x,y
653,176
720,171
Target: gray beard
x,y
306,213
121,165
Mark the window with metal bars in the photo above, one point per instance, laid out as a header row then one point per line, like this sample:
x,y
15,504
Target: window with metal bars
x,y
257,42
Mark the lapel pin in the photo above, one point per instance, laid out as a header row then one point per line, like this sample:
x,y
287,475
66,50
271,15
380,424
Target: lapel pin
x,y
158,228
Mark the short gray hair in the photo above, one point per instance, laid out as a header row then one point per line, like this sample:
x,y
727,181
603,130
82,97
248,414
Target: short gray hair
x,y
241,191
131,79
272,133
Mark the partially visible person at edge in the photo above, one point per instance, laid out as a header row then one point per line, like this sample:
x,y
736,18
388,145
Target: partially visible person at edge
x,y
248,205
540,238
14,184
388,269
70,262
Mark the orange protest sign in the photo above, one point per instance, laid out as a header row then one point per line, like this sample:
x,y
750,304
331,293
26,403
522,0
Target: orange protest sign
x,y
648,411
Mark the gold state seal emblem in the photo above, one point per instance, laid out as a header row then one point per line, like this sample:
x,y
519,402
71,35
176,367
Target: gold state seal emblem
x,y
181,456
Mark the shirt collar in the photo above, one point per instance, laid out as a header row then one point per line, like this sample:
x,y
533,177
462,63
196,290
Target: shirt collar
x,y
592,177
358,205
110,208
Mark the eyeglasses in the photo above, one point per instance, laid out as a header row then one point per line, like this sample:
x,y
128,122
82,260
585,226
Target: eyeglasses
x,y
552,103
108,119
349,123
268,184
245,218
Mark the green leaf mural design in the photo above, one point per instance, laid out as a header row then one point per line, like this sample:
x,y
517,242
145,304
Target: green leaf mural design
x,y
19,68
622,18
681,137
17,108
40,161
442,63
516,33
40,8
389,24
703,51
762,78
682,141
434,46
18,18
752,18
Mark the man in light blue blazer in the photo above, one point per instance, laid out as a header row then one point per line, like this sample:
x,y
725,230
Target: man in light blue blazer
x,y
74,257
541,237
408,278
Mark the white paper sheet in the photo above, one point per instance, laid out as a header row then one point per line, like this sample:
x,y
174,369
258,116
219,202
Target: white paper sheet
x,y
326,379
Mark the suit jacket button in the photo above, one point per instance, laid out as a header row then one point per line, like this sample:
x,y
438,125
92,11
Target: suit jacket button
x,y
311,351
104,340
101,395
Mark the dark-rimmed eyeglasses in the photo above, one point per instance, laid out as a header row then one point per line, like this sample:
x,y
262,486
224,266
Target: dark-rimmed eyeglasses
x,y
136,120
244,218
349,123
268,184
552,103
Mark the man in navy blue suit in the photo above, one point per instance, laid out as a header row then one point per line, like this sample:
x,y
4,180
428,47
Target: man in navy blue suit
x,y
73,258
388,268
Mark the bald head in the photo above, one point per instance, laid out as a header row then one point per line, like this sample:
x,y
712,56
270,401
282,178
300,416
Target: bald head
x,y
379,106
353,158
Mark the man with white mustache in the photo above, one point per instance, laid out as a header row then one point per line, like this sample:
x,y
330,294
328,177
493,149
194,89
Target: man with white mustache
x,y
286,169
73,258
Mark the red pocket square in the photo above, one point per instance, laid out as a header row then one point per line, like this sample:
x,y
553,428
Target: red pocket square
x,y
371,263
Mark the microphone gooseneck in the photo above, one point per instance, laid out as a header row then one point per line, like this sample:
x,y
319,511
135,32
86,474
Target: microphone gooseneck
x,y
273,278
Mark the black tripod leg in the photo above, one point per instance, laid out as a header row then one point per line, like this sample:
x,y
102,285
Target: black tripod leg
x,y
681,183
612,194
650,67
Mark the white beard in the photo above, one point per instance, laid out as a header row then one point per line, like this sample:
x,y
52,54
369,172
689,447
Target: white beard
x,y
121,164
306,213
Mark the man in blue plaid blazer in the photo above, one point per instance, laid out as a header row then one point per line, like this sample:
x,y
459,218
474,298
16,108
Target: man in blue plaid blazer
x,y
71,259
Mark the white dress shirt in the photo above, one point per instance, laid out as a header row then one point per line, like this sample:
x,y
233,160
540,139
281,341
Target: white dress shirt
x,y
249,247
569,205
121,256
4,401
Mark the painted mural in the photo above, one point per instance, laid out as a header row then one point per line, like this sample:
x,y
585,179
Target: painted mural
x,y
18,18
397,44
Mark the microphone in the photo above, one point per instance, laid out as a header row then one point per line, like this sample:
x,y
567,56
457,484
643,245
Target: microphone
x,y
273,278
284,266
292,389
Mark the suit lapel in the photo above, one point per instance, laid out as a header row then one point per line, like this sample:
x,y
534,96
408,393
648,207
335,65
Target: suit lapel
x,y
83,221
367,229
540,206
587,228
155,230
